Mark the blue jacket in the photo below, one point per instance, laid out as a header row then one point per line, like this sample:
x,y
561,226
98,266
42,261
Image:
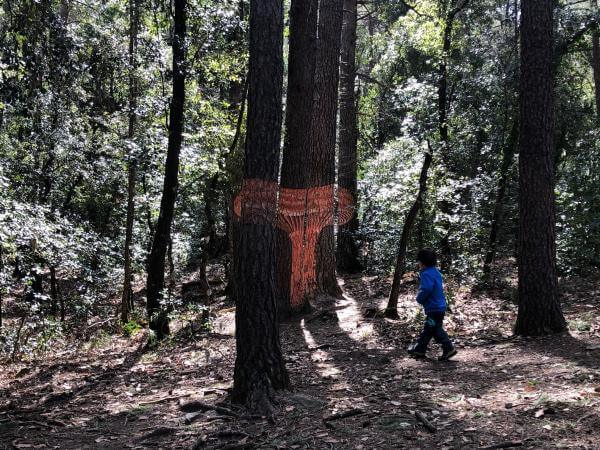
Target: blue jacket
x,y
431,291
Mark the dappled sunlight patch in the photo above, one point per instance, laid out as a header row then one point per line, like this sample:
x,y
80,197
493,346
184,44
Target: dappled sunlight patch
x,y
320,357
351,320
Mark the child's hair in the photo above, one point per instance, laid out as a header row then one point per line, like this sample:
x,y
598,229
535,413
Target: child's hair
x,y
427,257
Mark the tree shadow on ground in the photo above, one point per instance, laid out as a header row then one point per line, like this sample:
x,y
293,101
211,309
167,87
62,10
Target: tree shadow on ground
x,y
37,400
567,347
352,373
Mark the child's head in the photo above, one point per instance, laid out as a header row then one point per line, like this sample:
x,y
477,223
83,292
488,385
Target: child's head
x,y
427,258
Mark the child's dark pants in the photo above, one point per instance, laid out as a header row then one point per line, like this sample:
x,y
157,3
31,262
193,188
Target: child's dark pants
x,y
434,328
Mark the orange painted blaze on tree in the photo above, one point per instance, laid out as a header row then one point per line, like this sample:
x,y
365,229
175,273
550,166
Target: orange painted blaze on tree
x,y
256,202
302,214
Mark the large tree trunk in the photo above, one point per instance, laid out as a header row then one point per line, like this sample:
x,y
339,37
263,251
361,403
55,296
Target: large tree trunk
x,y
539,307
127,295
294,180
324,126
508,154
259,364
392,306
157,312
596,63
347,249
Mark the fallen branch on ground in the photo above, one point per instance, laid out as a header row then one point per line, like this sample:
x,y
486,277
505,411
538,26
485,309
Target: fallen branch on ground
x,y
426,423
164,399
343,414
503,445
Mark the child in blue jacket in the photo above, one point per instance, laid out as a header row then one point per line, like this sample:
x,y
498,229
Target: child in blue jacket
x,y
431,296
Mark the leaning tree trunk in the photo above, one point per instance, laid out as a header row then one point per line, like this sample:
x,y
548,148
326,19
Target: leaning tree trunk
x,y
293,292
596,63
322,158
347,249
391,310
127,295
259,364
157,312
539,308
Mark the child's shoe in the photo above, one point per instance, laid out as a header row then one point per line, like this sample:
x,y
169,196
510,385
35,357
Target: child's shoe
x,y
414,353
448,354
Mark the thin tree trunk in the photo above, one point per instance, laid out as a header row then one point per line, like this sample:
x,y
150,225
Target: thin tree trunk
x,y
392,306
53,291
171,270
296,153
347,248
71,192
539,308
148,215
157,313
1,282
259,364
229,224
596,63
421,228
211,195
209,226
127,295
508,154
445,205
36,288
324,133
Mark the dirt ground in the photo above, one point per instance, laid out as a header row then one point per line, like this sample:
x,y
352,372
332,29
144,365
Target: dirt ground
x,y
110,392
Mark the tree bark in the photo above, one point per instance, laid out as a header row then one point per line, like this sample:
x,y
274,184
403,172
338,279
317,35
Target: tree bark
x,y
259,365
297,145
539,308
347,249
323,127
391,310
157,312
127,295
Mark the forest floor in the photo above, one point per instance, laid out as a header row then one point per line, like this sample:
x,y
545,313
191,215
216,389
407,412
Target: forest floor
x,y
111,392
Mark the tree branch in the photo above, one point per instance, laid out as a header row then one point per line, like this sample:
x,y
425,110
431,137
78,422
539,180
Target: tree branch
x,y
564,44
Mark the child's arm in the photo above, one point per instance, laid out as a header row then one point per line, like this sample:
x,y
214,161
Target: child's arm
x,y
425,289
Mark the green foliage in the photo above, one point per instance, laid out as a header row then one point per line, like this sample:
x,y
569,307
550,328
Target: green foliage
x,y
131,328
64,150
64,93
399,116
